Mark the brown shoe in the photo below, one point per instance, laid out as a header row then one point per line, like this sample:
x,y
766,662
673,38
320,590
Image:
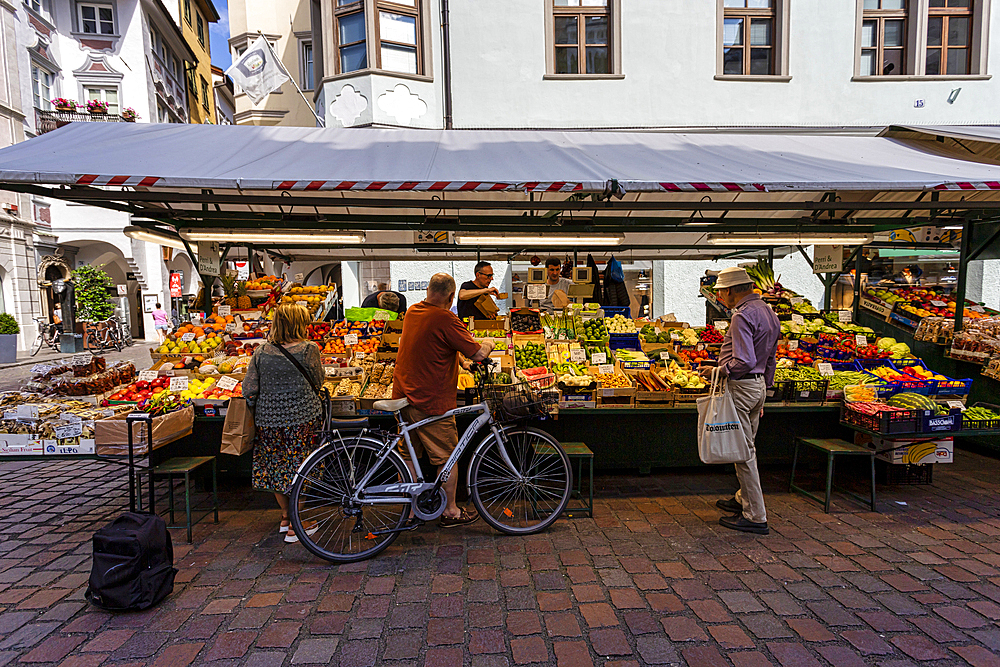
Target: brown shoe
x,y
464,519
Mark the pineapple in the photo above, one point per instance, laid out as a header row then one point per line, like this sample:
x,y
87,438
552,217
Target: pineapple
x,y
229,287
242,298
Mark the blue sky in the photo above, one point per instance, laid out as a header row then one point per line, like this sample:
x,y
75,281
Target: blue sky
x,y
218,34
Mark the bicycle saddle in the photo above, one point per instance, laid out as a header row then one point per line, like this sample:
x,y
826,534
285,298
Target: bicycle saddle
x,y
391,406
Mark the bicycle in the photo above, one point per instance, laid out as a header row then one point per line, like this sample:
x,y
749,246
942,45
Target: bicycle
x,y
106,335
124,332
48,334
355,494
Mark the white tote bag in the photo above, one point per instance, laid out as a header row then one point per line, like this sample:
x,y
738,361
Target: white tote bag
x,y
720,433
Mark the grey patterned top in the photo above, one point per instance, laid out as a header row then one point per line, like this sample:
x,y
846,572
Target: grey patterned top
x,y
276,389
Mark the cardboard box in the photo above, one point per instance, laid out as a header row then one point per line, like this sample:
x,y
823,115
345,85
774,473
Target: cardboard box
x,y
915,451
111,435
20,444
502,323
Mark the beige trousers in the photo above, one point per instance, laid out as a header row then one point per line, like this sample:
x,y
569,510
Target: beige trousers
x,y
749,395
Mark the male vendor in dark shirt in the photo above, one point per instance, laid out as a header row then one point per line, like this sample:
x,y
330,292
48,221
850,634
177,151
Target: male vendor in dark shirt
x,y
747,360
473,289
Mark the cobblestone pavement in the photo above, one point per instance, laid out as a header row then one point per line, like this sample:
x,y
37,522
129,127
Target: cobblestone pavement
x,y
652,579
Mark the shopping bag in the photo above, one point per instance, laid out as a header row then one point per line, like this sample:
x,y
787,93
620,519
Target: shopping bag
x,y
238,430
720,434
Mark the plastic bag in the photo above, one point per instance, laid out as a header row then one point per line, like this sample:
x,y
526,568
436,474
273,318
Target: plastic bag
x,y
614,272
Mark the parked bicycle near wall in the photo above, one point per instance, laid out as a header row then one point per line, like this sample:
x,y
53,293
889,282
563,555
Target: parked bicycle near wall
x,y
105,336
124,332
358,494
48,334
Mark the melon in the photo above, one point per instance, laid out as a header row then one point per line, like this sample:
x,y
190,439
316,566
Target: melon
x,y
910,401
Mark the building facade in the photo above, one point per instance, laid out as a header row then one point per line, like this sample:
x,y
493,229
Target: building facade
x,y
127,55
193,18
225,101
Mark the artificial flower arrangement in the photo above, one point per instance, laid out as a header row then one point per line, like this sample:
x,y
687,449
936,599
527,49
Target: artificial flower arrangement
x,y
130,115
63,103
97,106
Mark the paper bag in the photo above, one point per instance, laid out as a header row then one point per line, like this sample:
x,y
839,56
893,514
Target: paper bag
x,y
238,430
559,299
721,438
487,306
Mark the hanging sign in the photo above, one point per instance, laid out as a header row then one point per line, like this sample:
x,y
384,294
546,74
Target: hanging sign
x,y
175,285
828,258
242,270
122,290
534,292
208,258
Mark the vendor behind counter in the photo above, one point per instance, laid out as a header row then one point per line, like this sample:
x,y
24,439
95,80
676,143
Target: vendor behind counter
x,y
475,297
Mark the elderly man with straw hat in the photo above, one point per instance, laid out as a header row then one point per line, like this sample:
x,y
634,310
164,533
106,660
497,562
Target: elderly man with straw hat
x,y
747,360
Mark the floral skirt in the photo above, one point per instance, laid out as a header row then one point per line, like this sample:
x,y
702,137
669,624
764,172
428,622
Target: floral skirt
x,y
279,451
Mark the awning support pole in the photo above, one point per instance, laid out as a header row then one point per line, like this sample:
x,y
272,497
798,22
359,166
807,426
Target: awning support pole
x,y
963,274
802,251
207,282
983,246
856,304
770,257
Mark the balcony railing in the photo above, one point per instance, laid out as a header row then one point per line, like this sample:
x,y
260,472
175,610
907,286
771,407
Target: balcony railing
x,y
46,121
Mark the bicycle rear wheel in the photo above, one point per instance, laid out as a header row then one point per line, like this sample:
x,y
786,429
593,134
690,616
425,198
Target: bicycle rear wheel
x,y
345,532
530,500
36,345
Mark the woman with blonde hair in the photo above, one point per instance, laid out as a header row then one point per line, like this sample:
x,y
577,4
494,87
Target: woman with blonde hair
x,y
282,386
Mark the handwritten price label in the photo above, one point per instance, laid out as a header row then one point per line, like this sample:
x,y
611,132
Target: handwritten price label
x,y
231,327
534,292
359,355
977,309
825,369
188,337
938,304
606,369
796,300
350,339
227,383
956,404
793,345
27,412
721,325
74,430
843,316
82,359
147,376
599,358
298,277
179,383
861,340
577,355
664,355
40,369
225,311
674,335
798,319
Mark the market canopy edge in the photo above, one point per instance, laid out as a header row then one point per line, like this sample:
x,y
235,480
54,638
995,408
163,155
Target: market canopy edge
x,y
317,160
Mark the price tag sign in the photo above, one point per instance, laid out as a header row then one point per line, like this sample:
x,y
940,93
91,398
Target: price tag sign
x,y
938,304
108,413
956,404
796,300
577,355
700,347
225,311
331,371
299,277
147,376
721,325
350,339
304,304
10,414
599,358
71,418
977,309
606,369
843,316
227,383
359,355
40,369
27,412
798,319
74,430
231,327
861,340
793,345
178,383
238,320
196,319
534,292
664,355
82,359
608,392
825,369
674,335
188,337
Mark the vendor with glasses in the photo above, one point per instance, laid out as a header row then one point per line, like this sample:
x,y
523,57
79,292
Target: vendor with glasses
x,y
472,290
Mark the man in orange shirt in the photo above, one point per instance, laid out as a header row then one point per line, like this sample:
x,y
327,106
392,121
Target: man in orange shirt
x,y
427,376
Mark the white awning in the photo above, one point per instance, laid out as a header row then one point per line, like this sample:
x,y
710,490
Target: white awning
x,y
320,160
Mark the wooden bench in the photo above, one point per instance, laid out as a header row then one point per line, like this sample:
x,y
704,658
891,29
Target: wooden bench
x,y
833,448
185,465
581,454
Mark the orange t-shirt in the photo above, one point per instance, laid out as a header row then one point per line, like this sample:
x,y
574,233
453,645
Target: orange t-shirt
x,y
427,363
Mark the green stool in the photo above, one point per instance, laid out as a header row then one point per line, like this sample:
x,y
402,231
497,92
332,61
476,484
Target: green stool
x,y
833,447
579,452
178,466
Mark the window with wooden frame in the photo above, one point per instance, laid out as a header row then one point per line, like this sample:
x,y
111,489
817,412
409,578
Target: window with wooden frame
x,y
949,37
41,87
187,11
201,28
351,36
396,40
106,94
748,38
204,92
581,37
883,38
95,19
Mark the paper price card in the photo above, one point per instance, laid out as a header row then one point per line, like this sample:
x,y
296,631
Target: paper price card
x,y
231,327
576,355
606,369
861,340
350,339
359,355
798,319
227,383
225,311
238,320
304,304
178,383
108,413
721,325
796,300
664,355
825,369
74,430
188,337
599,358
534,292
27,412
843,316
956,404
10,414
699,347
82,359
331,371
608,392
147,376
674,335
977,309
40,369
793,345
298,277
938,304
70,418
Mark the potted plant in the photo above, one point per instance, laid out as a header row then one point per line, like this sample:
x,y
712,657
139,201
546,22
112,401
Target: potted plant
x,y
8,338
97,106
63,104
130,115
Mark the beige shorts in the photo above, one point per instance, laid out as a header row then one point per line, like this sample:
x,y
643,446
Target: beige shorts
x,y
438,439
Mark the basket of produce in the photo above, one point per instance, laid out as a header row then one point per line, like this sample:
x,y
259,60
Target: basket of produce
x,y
944,386
710,335
842,378
832,353
696,357
593,348
624,312
593,329
808,386
880,418
651,389
981,417
525,320
778,391
633,360
896,381
687,385
530,355
798,356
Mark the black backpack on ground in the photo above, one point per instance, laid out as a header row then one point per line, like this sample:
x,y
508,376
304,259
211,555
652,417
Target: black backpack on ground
x,y
133,563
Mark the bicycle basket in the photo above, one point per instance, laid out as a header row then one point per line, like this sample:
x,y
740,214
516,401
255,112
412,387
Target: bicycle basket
x,y
519,400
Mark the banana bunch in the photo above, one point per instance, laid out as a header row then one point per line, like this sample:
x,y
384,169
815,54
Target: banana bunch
x,y
679,377
569,368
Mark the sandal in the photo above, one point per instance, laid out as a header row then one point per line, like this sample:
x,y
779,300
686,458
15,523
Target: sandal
x,y
464,519
293,538
284,526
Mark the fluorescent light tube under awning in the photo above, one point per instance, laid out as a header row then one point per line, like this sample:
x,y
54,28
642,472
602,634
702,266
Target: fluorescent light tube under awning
x,y
273,237
789,239
540,240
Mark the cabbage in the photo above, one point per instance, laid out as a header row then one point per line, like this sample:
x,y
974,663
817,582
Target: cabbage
x,y
885,343
899,350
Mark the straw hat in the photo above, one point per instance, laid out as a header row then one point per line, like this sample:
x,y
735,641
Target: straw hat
x,y
731,277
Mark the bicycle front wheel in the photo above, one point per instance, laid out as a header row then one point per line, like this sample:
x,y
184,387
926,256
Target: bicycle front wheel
x,y
529,498
37,344
347,532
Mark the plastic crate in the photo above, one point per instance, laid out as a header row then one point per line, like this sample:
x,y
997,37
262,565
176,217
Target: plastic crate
x,y
981,424
904,473
895,422
611,311
845,366
923,387
828,353
931,422
947,387
624,341
778,392
808,391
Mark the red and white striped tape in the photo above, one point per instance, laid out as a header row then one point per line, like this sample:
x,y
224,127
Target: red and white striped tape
x,y
430,186
94,179
713,187
978,185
